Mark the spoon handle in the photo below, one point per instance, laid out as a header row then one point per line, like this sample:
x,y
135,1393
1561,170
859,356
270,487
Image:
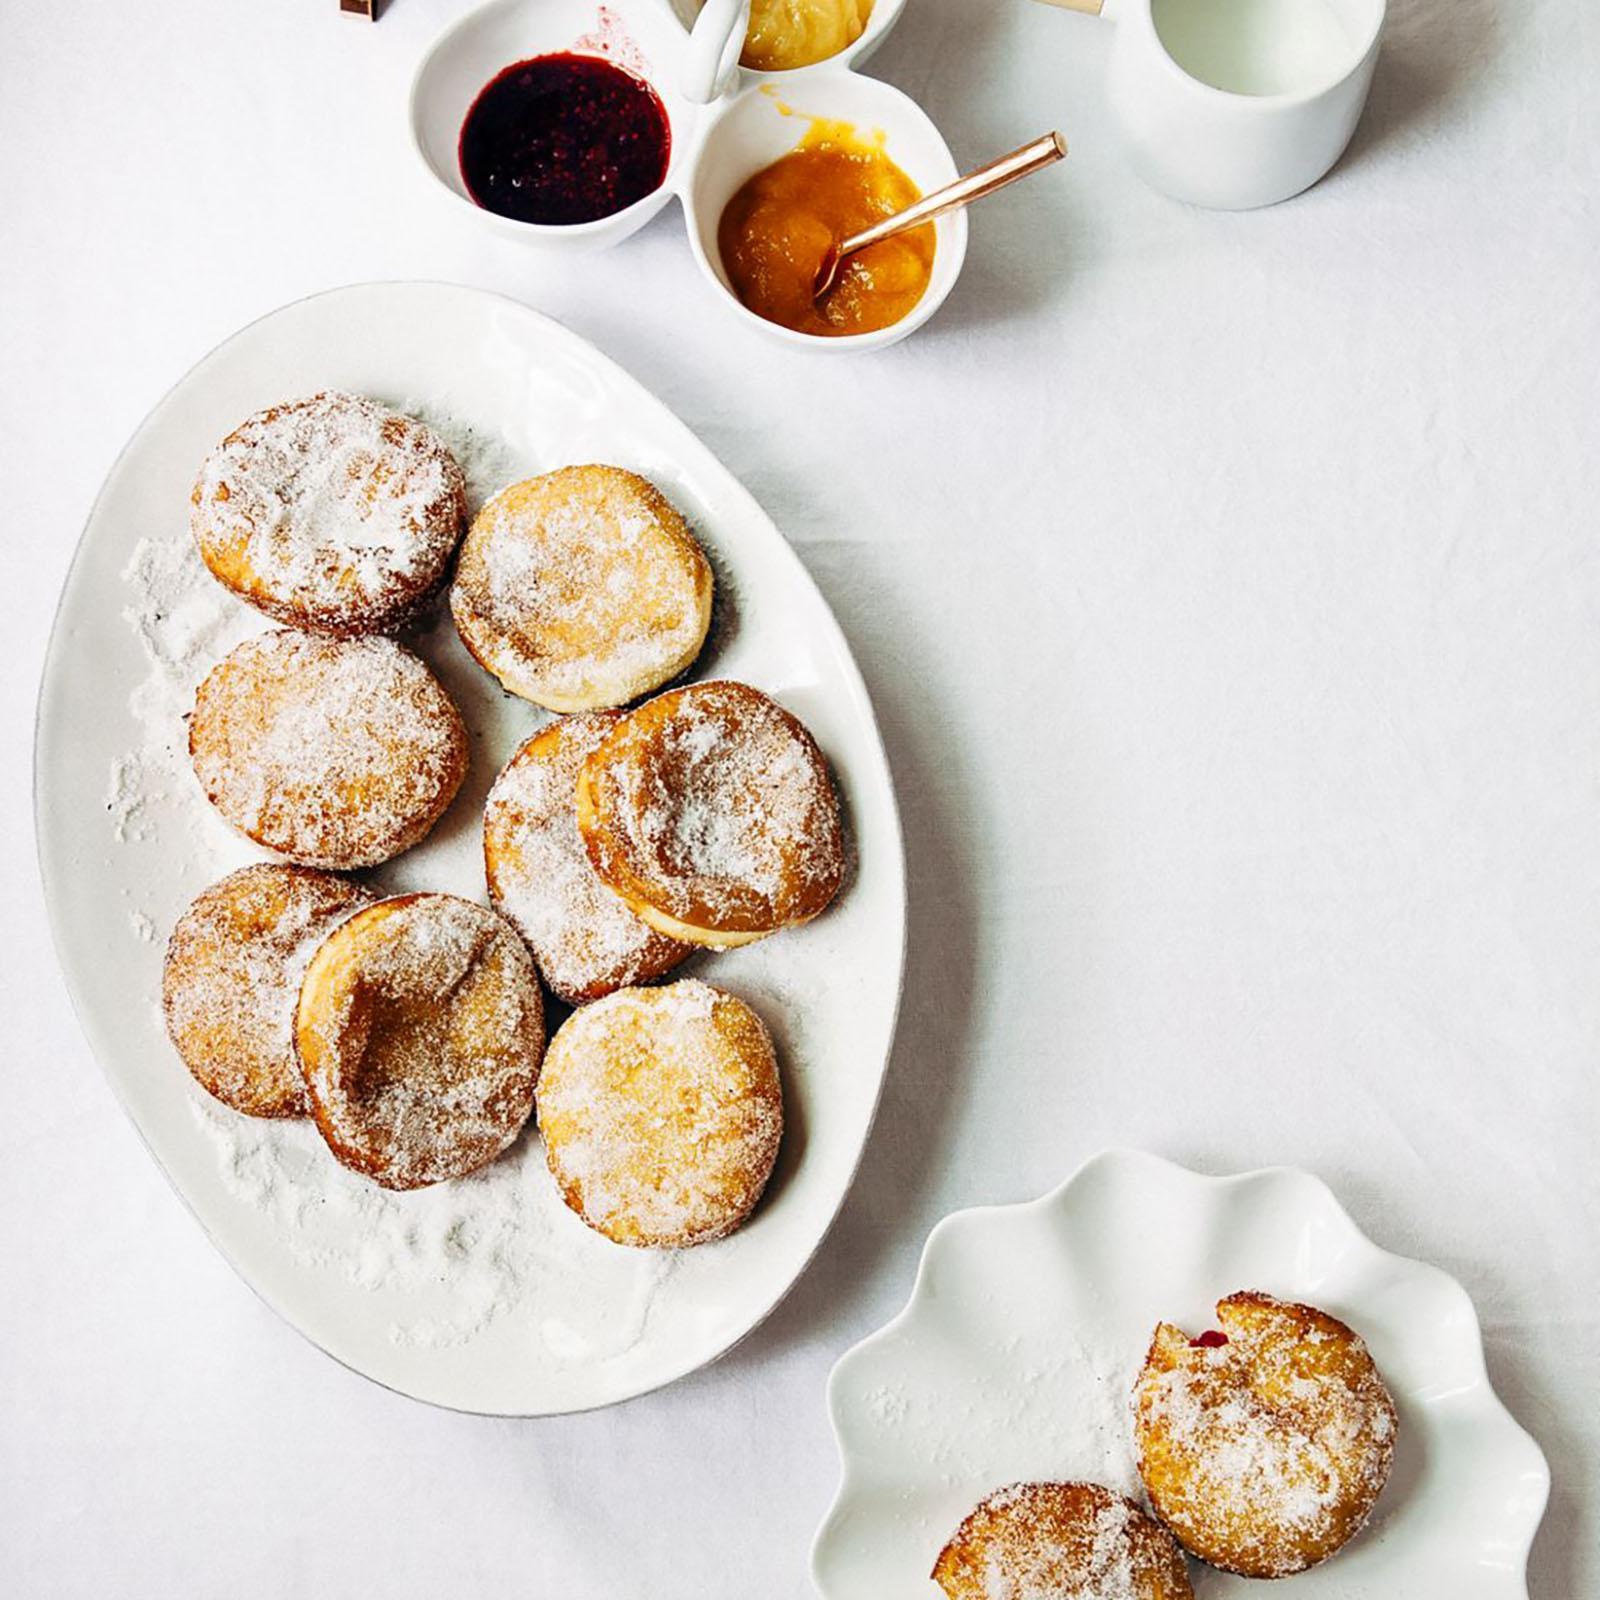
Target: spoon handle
x,y
1030,158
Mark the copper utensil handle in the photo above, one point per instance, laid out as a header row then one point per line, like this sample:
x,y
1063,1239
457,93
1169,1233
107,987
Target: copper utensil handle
x,y
1030,158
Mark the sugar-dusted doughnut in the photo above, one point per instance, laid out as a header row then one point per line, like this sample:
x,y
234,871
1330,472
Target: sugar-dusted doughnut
x,y
1263,1443
710,810
420,1029
232,979
582,589
333,752
586,941
1060,1541
661,1113
333,514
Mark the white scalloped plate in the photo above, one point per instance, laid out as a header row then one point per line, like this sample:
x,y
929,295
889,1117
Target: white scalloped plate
x,y
1015,1354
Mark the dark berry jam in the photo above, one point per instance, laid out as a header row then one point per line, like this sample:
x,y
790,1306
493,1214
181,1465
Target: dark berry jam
x,y
1214,1340
564,139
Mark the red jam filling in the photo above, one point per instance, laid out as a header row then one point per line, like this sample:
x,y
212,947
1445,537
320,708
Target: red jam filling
x,y
1213,1340
563,139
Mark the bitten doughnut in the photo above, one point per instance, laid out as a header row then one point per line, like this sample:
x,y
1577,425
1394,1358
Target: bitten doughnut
x,y
333,514
661,1113
232,979
711,812
582,589
419,1030
333,752
586,941
1060,1541
1263,1444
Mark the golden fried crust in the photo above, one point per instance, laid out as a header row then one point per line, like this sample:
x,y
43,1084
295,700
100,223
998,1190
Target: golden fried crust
x,y
419,1030
710,810
232,978
332,514
335,753
582,589
586,941
661,1113
1263,1447
1034,1540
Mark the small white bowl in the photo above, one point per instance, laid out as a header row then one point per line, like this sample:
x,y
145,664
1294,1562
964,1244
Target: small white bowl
x,y
715,147
646,40
758,126
882,17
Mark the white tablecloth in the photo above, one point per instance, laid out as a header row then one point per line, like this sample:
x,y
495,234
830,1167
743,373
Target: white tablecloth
x,y
1229,590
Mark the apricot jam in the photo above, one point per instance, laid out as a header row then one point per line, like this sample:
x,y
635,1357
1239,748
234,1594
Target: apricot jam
x,y
785,34
776,230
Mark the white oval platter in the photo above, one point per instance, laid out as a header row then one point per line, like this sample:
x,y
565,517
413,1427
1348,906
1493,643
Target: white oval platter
x,y
486,1294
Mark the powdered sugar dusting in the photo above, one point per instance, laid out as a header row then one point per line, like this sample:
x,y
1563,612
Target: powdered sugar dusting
x,y
333,752
585,939
449,1264
661,1113
420,1032
1060,1541
184,622
582,588
1265,1452
332,512
487,460
715,805
232,976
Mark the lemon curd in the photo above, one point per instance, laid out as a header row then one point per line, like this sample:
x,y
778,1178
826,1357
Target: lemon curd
x,y
777,229
799,33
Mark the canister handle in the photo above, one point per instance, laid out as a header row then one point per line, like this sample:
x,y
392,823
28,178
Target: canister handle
x,y
714,45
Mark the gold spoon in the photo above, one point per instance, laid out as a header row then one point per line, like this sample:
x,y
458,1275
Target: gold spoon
x,y
1030,158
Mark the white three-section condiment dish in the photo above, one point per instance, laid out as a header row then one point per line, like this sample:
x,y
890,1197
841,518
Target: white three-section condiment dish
x,y
750,120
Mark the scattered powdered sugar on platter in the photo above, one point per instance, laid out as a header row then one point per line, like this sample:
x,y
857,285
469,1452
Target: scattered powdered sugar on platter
x,y
486,458
185,623
454,1259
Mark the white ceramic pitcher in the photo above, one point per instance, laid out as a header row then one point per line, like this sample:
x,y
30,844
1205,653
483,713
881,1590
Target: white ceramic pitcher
x,y
1238,103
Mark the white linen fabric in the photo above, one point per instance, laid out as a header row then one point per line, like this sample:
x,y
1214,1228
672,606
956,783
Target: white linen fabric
x,y
1228,587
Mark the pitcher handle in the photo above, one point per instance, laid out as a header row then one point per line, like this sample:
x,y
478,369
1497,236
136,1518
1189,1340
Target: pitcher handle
x,y
714,45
